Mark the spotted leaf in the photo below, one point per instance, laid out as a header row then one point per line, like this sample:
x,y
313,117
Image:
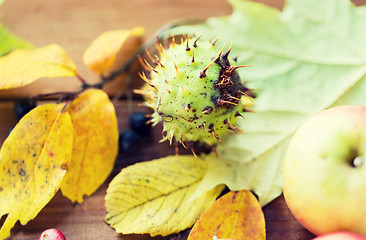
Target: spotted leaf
x,y
33,161
153,197
235,216
95,144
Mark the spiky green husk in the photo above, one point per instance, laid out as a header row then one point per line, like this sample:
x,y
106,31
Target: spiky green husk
x,y
194,91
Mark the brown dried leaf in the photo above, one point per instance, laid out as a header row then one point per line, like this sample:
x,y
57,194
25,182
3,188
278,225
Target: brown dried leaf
x,y
236,216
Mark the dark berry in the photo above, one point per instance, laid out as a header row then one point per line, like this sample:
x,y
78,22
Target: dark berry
x,y
129,141
23,106
139,123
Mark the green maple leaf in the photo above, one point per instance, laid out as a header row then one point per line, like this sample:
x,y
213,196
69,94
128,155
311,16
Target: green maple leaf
x,y
307,58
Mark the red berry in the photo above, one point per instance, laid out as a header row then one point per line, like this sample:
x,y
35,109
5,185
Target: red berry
x,y
52,234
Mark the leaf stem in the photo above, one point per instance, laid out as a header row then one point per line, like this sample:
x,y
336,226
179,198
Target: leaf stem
x,y
64,95
80,78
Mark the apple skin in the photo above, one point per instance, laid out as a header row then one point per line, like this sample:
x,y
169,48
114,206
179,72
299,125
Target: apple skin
x,y
323,189
342,235
52,234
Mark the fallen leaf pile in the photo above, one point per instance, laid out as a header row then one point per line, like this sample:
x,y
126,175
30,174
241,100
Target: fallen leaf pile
x,y
304,59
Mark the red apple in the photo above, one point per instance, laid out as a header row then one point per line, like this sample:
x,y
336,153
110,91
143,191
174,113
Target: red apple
x,y
324,177
341,236
52,234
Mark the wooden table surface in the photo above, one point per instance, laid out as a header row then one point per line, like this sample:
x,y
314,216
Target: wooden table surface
x,y
73,25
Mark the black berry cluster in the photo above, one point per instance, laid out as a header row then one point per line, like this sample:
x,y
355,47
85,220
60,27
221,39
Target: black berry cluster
x,y
23,106
130,139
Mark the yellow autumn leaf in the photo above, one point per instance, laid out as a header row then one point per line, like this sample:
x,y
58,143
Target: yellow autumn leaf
x,y
152,197
33,162
236,216
102,52
95,144
24,66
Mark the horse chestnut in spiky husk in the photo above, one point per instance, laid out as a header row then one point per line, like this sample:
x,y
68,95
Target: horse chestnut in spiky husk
x,y
194,91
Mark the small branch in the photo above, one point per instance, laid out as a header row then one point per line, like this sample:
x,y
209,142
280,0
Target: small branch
x,y
81,79
98,85
67,103
64,95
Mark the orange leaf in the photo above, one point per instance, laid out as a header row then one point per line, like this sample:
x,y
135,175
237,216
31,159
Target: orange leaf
x,y
33,161
95,144
102,52
236,216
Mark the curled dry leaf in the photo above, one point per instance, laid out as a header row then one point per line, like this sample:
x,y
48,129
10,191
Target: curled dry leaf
x,y
102,52
33,161
153,197
23,66
236,216
95,144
